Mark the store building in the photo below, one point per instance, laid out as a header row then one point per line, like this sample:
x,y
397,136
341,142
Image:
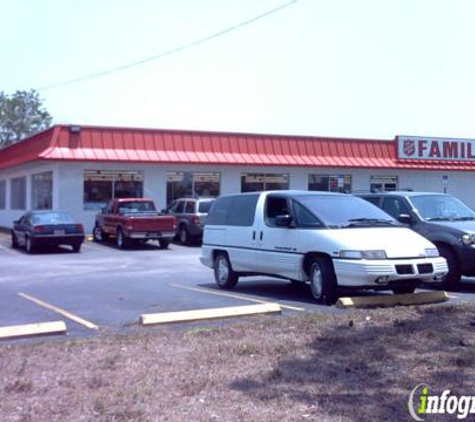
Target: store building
x,y
79,168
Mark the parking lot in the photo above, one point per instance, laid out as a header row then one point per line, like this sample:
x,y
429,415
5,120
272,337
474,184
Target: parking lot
x,y
103,289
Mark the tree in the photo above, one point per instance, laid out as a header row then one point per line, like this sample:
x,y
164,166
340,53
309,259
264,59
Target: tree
x,y
21,115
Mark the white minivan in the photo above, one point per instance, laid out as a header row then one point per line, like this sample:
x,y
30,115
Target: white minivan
x,y
326,239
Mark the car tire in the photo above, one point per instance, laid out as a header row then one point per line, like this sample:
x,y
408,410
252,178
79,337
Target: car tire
x,y
29,245
402,290
76,247
454,275
98,234
184,236
14,241
323,281
224,274
121,241
164,243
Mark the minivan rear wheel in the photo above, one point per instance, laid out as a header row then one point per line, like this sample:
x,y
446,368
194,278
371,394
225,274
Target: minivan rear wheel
x,y
224,275
323,281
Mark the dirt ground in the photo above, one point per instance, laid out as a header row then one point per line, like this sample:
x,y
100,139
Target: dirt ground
x,y
360,366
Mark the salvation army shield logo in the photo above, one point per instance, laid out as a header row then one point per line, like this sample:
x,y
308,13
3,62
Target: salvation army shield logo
x,y
409,147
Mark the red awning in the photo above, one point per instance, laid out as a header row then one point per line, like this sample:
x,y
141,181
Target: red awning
x,y
107,144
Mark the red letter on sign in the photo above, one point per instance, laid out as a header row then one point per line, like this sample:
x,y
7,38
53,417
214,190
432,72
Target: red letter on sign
x,y
451,150
421,147
434,149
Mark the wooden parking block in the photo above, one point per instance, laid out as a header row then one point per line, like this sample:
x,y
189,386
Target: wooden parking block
x,y
213,313
382,301
32,330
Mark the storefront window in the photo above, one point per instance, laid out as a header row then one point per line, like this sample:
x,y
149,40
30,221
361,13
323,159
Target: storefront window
x,y
256,182
3,194
100,186
18,193
383,183
182,184
42,191
329,183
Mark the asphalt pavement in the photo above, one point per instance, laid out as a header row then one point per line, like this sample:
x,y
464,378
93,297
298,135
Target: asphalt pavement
x,y
105,290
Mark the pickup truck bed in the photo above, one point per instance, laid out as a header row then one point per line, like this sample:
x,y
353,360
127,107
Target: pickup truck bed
x,y
131,220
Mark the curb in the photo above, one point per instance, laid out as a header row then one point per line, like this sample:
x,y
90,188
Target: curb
x,y
214,313
392,300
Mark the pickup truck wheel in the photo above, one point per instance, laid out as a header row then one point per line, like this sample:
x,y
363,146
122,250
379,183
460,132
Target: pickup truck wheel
x,y
224,275
454,275
184,236
121,240
164,243
323,281
98,234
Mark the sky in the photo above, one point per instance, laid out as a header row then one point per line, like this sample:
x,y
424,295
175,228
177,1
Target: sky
x,y
342,68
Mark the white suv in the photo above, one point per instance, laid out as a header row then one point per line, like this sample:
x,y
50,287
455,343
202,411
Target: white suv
x,y
326,239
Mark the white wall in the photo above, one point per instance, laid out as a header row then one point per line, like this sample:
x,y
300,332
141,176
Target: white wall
x,y
68,182
7,216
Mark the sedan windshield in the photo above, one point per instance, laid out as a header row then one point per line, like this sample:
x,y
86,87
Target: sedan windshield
x,y
442,207
52,218
346,211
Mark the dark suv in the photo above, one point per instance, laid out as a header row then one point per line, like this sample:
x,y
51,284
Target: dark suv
x,y
191,214
443,219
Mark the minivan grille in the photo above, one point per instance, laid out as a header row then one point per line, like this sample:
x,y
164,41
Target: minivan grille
x,y
404,269
425,268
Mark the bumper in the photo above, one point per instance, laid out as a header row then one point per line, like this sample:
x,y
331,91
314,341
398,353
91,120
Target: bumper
x,y
56,240
380,273
466,255
151,235
206,257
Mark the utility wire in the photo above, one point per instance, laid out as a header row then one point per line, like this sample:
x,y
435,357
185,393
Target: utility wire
x,y
169,52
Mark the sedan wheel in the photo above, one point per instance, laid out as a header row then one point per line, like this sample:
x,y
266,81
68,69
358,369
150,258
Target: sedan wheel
x,y
29,245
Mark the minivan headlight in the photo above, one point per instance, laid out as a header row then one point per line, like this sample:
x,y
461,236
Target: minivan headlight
x,y
468,239
378,254
432,252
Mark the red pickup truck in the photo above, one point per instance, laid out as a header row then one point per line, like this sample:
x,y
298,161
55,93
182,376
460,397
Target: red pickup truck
x,y
133,220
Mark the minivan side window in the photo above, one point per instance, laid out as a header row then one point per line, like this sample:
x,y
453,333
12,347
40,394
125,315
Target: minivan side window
x,y
242,210
275,205
218,213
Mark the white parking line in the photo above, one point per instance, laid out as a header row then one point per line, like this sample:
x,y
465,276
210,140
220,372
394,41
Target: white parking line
x,y
8,250
235,296
60,311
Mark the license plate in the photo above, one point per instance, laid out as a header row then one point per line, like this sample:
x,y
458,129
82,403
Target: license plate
x,y
59,232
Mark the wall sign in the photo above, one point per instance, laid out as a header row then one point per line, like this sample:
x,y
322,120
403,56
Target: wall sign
x,y
445,149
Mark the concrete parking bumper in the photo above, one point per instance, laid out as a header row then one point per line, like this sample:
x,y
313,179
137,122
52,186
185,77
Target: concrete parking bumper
x,y
213,313
33,330
392,300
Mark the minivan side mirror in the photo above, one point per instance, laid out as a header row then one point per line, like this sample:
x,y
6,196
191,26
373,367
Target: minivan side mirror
x,y
16,222
284,220
405,219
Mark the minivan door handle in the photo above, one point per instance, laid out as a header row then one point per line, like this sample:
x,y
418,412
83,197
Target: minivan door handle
x,y
261,235
253,235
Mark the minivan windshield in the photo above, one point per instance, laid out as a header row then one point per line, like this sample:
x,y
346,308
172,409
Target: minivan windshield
x,y
442,208
346,211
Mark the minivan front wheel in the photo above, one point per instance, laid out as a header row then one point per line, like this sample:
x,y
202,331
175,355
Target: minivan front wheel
x,y
323,281
224,275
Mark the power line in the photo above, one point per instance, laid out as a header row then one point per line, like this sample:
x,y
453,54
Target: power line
x,y
169,52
